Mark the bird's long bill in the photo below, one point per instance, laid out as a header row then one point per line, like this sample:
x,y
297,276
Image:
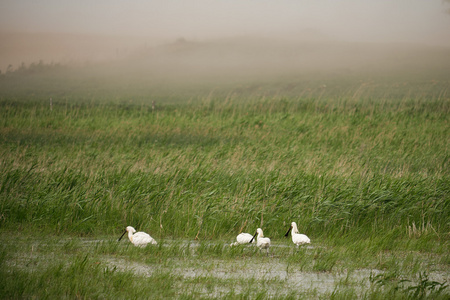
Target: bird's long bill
x,y
122,236
287,233
253,238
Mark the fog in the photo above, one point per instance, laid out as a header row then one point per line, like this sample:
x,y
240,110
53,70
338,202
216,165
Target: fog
x,y
234,35
416,21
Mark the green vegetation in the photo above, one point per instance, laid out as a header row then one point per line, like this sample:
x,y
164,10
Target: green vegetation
x,y
364,174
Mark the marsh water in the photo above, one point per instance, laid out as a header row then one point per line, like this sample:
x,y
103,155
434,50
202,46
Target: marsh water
x,y
216,267
258,267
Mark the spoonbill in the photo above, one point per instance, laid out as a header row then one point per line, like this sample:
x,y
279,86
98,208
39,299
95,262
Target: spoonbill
x,y
242,238
297,238
261,241
140,239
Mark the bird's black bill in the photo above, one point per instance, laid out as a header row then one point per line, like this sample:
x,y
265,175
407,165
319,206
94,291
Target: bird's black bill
x,y
252,238
122,236
287,233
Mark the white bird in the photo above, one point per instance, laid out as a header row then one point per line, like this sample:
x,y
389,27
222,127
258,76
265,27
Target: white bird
x,y
297,238
261,241
140,239
242,238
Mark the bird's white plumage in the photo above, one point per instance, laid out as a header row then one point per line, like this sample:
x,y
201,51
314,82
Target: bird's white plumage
x,y
261,241
139,239
298,238
242,238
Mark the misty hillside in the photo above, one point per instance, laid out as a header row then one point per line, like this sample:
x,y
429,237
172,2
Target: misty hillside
x,y
245,54
274,57
266,66
21,47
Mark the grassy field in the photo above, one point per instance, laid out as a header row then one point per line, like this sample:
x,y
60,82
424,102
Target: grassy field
x,y
360,164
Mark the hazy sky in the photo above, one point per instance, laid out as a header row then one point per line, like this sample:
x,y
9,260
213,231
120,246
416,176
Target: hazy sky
x,y
423,21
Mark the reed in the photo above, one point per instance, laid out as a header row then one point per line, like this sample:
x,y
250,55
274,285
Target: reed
x,y
360,173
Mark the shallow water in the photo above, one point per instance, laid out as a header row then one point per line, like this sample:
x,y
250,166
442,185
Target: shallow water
x,y
274,272
322,282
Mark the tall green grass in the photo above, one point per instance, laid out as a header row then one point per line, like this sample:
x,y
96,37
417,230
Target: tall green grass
x,y
359,160
212,167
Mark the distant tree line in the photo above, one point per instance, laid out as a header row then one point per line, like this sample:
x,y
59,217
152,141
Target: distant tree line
x,y
32,68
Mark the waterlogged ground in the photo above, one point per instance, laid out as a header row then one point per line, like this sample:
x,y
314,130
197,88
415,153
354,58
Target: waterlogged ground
x,y
216,269
271,270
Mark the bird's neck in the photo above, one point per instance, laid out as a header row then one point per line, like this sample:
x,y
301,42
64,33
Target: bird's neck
x,y
130,235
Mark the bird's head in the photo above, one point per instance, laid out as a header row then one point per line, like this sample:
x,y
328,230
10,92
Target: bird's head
x,y
131,229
